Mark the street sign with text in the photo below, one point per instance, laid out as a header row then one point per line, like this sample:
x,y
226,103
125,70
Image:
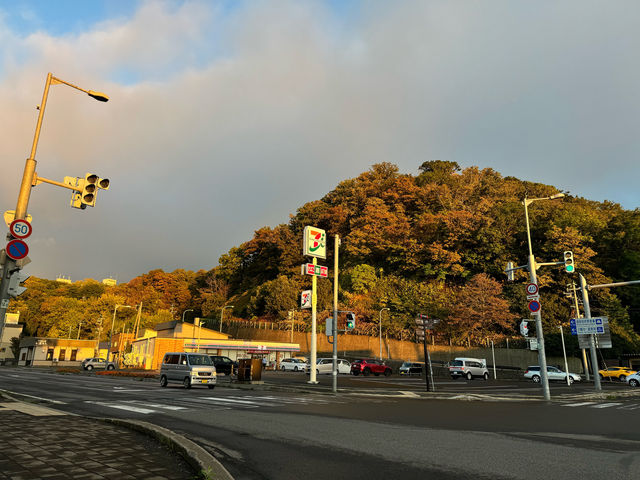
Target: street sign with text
x,y
20,229
588,326
317,270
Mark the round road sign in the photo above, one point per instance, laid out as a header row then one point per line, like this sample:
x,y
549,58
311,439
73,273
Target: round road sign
x,y
20,228
16,249
532,288
534,306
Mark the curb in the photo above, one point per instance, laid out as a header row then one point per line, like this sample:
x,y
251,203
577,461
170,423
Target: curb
x,y
207,465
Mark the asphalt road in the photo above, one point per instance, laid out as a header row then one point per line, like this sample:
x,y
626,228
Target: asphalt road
x,y
380,433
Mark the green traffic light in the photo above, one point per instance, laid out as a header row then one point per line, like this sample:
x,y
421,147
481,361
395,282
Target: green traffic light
x,y
569,268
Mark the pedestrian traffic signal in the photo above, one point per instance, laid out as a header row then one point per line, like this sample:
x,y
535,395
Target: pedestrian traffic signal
x,y
15,280
569,266
524,328
351,321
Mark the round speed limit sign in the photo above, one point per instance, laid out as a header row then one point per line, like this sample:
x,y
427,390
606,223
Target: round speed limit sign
x,y
532,289
20,229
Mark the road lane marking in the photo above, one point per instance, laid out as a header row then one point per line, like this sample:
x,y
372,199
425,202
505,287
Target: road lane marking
x,y
156,405
58,402
130,408
244,403
605,405
581,404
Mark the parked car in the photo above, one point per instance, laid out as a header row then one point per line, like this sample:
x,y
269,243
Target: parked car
x,y
369,366
469,368
91,363
224,364
411,368
293,365
621,373
325,365
633,379
553,373
188,369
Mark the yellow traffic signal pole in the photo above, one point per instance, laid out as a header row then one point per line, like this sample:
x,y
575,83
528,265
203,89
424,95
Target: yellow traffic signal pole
x,y
30,179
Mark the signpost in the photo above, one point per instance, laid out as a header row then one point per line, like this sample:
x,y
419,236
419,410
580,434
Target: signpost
x,y
317,270
20,229
424,323
588,326
534,306
305,299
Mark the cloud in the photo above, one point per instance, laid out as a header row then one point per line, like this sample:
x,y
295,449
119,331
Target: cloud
x,y
224,120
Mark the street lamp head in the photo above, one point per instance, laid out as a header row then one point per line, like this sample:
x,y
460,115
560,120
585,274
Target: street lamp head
x,y
101,97
556,195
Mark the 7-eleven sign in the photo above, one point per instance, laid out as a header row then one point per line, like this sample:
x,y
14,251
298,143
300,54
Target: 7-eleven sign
x,y
315,242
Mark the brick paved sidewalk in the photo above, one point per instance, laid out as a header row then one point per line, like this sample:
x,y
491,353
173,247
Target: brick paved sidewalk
x,y
39,443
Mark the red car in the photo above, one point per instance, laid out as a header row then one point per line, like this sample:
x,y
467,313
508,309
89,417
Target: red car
x,y
367,367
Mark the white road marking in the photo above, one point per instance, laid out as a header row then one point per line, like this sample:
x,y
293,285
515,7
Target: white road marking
x,y
605,405
244,403
581,404
130,408
37,398
156,405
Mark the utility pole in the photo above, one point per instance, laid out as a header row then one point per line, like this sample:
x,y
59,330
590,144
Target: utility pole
x,y
592,343
334,371
576,306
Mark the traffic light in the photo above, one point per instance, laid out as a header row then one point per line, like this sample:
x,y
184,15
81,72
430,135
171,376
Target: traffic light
x,y
569,266
14,283
524,328
351,321
509,272
89,186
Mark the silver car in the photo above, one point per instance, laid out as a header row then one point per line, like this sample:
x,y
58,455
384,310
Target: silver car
x,y
91,363
553,373
188,369
293,365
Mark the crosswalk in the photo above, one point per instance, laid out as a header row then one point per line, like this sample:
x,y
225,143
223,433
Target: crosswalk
x,y
600,405
220,403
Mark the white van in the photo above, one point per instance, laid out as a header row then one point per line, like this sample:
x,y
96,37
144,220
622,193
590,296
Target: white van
x,y
469,368
188,369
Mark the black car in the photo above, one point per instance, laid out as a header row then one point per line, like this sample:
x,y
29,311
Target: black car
x,y
224,364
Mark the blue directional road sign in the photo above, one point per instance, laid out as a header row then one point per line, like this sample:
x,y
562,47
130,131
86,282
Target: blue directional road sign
x,y
587,326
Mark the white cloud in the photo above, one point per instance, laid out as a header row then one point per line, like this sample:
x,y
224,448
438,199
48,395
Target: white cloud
x,y
222,122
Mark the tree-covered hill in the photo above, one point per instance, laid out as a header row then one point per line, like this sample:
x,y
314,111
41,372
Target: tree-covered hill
x,y
436,243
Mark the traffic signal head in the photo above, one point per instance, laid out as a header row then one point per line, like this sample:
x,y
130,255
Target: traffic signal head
x,y
89,187
509,272
524,328
351,321
569,266
15,280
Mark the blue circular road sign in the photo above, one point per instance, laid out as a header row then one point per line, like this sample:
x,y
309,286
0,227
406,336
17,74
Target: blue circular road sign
x,y
17,249
534,306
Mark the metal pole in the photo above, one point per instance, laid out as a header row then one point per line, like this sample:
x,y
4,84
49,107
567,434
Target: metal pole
x,y
577,309
427,363
592,344
542,358
314,340
564,352
334,372
113,320
493,354
79,325
380,333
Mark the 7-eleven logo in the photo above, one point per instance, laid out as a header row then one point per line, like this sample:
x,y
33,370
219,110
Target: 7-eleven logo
x,y
315,242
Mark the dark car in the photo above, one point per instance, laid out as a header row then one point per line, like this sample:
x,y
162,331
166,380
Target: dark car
x,y
224,364
411,368
369,366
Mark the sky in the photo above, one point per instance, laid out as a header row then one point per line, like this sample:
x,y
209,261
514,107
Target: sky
x,y
227,116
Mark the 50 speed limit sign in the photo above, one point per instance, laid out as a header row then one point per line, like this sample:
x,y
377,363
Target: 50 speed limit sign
x,y
20,229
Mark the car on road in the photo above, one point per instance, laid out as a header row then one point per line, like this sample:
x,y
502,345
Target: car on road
x,y
468,368
621,373
224,364
553,373
91,363
188,369
634,379
293,365
325,365
411,368
368,366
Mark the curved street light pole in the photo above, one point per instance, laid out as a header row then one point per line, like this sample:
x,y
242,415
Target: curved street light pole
x,y
380,330
187,310
28,180
531,262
